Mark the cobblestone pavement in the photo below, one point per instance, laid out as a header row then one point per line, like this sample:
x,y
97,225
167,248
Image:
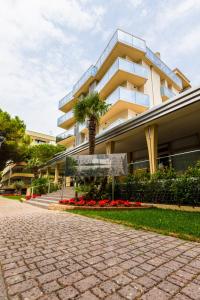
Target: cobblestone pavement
x,y
50,255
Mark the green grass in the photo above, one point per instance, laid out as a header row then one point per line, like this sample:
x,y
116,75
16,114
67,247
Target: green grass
x,y
14,197
185,225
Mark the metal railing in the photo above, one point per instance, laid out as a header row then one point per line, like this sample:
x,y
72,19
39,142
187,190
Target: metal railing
x,y
68,133
65,99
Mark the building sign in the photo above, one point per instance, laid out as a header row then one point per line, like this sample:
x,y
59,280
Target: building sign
x,y
97,165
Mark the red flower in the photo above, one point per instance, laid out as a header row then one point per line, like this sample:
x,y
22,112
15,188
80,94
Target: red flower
x,y
120,202
28,197
127,203
91,202
102,203
113,203
138,203
64,201
72,201
80,203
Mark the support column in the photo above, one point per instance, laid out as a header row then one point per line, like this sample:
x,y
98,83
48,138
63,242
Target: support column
x,y
47,172
151,133
110,147
56,174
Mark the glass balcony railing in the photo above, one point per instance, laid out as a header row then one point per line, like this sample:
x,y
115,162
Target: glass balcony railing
x,y
65,99
125,38
65,117
131,96
114,124
89,73
68,133
163,67
166,92
124,65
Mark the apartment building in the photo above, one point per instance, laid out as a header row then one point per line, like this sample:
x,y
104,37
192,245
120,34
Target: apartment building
x,y
130,77
14,172
154,113
40,138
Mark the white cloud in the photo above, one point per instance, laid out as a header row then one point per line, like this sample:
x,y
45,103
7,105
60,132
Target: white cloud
x,y
37,54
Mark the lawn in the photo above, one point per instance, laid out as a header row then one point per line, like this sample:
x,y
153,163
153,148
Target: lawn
x,y
185,225
14,197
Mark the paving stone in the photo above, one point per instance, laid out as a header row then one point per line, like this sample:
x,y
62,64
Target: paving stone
x,y
51,287
32,294
109,286
45,252
122,279
49,276
129,292
168,287
87,296
192,290
155,294
87,283
70,279
68,293
21,286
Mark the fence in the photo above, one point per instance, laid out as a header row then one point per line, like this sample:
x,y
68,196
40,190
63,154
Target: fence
x,y
179,162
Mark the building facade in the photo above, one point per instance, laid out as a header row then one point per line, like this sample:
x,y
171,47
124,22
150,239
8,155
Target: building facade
x,y
40,138
154,112
129,77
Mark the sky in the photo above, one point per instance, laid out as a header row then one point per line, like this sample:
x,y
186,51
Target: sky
x,y
46,45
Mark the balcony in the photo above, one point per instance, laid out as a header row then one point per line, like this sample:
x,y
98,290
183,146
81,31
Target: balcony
x,y
83,127
83,83
112,125
66,137
66,119
123,99
166,93
120,70
66,102
121,44
164,68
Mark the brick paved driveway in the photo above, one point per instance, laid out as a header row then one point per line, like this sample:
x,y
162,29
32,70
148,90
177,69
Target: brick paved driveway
x,y
50,255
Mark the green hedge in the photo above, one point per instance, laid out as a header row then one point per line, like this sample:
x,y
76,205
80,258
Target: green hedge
x,y
166,186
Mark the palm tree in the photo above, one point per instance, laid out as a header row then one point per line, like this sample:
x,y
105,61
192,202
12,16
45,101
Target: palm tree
x,y
92,109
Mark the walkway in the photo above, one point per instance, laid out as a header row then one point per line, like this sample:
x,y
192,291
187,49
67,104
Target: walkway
x,y
52,255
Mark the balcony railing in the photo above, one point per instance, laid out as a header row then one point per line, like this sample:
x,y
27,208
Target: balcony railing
x,y
163,67
65,99
114,124
124,65
68,133
166,92
89,73
131,96
125,38
65,117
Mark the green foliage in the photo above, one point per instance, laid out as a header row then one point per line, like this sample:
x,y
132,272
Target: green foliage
x,y
166,186
90,107
40,154
18,185
16,142
40,185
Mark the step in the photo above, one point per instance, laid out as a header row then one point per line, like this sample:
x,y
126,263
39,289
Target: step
x,y
40,200
34,203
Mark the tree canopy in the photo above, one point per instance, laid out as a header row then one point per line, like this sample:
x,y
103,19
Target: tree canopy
x,y
16,141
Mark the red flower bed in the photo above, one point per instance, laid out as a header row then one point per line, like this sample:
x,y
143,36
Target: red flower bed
x,y
98,203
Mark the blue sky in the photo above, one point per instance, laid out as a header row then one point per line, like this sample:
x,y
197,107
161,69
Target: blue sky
x,y
46,45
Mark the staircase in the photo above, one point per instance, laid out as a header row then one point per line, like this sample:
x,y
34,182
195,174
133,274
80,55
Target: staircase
x,y
52,198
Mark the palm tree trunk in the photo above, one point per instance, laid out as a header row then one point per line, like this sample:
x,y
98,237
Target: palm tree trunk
x,y
92,135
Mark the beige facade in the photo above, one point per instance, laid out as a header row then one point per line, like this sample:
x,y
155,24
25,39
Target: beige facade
x,y
134,80
40,138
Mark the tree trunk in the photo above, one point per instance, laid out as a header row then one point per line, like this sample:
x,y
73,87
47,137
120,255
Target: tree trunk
x,y
92,135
